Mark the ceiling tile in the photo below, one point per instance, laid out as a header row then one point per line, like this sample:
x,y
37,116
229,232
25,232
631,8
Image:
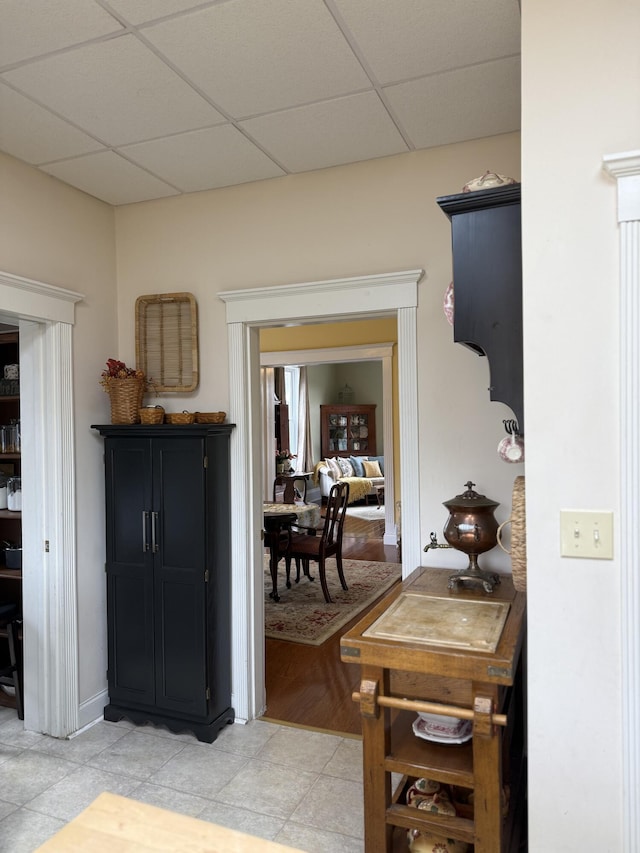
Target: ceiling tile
x,y
459,105
204,159
344,130
139,11
117,90
252,57
109,177
34,135
410,38
33,27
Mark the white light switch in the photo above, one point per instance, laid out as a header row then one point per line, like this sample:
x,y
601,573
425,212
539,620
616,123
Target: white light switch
x,y
586,534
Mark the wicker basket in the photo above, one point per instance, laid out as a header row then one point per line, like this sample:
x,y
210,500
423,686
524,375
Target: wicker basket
x,y
151,415
125,396
518,521
180,417
210,417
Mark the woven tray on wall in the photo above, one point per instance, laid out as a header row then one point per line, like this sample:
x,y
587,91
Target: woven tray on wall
x,y
167,341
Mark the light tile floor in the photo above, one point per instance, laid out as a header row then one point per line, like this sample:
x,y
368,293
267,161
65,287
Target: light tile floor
x,y
300,788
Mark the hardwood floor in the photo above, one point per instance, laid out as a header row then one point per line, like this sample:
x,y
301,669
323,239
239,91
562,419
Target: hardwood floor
x,y
309,685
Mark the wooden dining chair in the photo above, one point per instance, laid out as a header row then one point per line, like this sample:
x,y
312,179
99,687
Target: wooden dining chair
x,y
288,489
326,543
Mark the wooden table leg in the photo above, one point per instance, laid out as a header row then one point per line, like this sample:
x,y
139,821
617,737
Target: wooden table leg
x,y
375,747
487,766
273,566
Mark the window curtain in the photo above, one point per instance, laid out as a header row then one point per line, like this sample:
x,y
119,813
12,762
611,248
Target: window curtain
x,y
279,385
304,450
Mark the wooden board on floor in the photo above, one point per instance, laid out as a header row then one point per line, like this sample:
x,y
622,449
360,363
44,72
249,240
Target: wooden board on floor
x,y
114,824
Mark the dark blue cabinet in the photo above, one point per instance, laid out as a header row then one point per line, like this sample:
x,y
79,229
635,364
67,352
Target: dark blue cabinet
x,y
168,575
487,282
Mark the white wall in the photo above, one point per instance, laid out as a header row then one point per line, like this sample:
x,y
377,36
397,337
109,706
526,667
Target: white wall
x,y
56,234
581,70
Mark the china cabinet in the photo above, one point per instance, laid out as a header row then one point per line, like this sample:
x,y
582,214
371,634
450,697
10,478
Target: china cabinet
x,y
347,430
416,655
168,575
487,285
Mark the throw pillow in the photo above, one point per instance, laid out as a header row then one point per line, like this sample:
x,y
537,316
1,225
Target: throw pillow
x,y
334,469
345,466
380,460
371,469
356,461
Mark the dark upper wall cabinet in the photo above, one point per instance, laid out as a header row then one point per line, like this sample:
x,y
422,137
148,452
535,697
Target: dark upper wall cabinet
x,y
487,280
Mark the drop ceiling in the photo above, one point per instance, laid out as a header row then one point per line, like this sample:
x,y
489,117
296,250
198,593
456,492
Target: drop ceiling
x,y
131,100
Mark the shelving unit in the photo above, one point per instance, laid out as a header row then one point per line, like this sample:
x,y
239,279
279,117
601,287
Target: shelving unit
x,y
401,675
10,521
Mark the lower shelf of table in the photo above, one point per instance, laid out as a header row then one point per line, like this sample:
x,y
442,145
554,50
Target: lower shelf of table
x,y
413,756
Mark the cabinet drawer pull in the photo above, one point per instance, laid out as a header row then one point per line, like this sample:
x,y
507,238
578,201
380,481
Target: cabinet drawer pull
x,y
145,517
154,544
431,708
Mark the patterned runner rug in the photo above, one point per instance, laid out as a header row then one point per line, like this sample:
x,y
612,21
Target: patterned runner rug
x,y
303,616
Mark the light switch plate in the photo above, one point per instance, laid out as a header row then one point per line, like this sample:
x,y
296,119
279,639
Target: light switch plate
x,y
584,533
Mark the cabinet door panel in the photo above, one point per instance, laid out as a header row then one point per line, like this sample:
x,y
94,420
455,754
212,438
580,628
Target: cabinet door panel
x,y
130,648
179,500
180,662
128,466
129,573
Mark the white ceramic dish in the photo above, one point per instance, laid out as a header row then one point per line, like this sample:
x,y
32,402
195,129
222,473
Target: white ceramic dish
x,y
487,182
511,448
441,725
420,731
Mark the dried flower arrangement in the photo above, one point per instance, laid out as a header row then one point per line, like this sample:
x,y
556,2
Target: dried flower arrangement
x,y
117,370
126,387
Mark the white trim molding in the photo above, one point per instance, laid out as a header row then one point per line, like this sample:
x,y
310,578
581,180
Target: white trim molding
x,y
45,316
388,294
625,169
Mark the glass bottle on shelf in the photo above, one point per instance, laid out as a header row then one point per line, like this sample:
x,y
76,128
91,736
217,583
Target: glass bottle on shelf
x,y
14,494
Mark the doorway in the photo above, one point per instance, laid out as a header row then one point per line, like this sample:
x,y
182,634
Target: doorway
x,y
339,355
246,311
45,317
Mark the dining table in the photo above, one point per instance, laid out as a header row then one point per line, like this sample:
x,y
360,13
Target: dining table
x,y
282,516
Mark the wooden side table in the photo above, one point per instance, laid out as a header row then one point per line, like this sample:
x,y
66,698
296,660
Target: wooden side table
x,y
417,651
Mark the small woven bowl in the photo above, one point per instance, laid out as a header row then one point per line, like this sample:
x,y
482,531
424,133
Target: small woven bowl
x,y
180,417
151,415
210,417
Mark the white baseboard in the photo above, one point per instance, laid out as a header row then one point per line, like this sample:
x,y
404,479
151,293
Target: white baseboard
x,y
93,708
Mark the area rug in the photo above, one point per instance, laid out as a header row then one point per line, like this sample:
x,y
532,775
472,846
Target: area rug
x,y
366,513
303,616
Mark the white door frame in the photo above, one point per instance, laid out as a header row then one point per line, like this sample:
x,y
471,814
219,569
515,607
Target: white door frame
x,y
363,297
45,316
624,168
383,353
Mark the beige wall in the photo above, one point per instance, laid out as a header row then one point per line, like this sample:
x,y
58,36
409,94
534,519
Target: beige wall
x,y
372,217
580,102
55,234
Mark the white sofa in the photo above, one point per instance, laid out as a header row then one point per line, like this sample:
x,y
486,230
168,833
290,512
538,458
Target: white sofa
x,y
361,487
